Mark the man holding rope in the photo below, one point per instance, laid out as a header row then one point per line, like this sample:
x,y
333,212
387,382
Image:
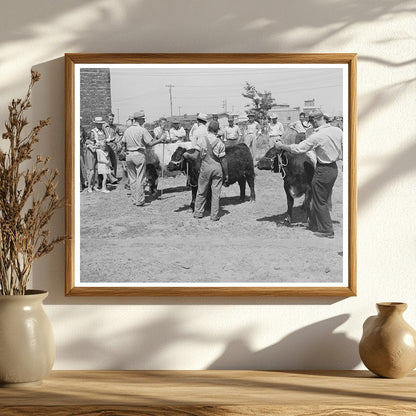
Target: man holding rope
x,y
327,143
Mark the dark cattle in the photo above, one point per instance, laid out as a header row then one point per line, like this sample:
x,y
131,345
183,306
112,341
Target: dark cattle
x,y
297,172
152,178
189,167
240,169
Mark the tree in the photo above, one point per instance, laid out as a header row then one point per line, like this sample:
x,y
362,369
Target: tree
x,y
261,102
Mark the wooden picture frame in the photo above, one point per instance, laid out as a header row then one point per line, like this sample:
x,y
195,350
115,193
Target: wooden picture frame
x,y
341,286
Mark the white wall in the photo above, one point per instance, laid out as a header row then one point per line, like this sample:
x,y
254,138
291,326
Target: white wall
x,y
198,333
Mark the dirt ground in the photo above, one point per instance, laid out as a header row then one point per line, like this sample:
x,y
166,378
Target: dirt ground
x,y
162,242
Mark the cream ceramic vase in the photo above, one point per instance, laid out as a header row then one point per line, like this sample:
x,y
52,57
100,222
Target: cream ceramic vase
x,y
27,347
388,345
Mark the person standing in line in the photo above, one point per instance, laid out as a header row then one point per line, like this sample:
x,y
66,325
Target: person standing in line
x,y
135,141
200,128
276,130
82,152
327,143
212,152
103,165
113,139
252,133
301,126
242,126
161,131
92,142
98,136
177,133
192,130
231,133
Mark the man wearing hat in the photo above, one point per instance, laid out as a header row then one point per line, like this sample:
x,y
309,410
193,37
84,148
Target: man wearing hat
x,y
135,140
200,129
252,133
327,143
177,133
96,137
275,130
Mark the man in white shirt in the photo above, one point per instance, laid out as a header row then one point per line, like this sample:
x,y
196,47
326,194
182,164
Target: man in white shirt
x,y
177,133
301,125
231,133
276,130
200,129
327,143
252,133
161,131
135,141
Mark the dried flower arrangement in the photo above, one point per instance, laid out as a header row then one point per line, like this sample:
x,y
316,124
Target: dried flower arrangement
x,y
28,200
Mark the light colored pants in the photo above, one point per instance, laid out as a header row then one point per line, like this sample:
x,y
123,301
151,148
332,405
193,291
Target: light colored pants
x,y
210,176
136,169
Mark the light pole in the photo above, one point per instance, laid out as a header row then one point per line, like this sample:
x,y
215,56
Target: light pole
x,y
170,86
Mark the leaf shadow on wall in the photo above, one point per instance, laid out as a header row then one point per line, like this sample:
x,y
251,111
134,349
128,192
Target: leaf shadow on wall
x,y
135,26
316,346
152,345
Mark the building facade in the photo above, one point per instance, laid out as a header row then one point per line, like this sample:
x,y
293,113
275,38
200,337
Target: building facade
x,y
95,94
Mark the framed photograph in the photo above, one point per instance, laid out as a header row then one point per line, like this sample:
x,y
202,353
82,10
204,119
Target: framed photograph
x,y
211,174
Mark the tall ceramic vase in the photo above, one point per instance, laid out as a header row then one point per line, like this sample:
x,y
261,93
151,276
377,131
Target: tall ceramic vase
x,y
27,347
388,345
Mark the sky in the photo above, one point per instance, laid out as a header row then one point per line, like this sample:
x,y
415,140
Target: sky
x,y
209,89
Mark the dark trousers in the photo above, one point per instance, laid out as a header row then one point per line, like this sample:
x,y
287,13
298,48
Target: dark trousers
x,y
322,184
111,149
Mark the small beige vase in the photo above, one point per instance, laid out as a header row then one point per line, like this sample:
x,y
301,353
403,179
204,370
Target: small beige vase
x,y
388,345
27,347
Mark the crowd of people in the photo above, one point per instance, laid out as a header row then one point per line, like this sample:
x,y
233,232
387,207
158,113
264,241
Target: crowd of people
x,y
107,153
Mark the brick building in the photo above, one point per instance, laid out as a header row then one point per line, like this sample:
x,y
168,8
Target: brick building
x,y
95,94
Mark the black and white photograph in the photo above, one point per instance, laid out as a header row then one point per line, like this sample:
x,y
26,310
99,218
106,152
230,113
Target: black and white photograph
x,y
211,175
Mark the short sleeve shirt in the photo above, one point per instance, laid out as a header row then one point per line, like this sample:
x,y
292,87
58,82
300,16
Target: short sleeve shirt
x,y
177,134
276,129
326,141
136,137
218,147
231,133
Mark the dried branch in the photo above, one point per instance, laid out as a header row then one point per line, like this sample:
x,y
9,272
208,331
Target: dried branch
x,y
24,217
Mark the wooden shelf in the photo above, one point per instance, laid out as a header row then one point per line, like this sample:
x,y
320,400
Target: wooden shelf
x,y
203,393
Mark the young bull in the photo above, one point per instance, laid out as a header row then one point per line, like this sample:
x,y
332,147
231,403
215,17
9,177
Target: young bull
x,y
297,173
187,166
240,169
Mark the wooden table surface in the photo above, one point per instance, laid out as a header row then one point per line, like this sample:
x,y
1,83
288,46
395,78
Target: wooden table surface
x,y
202,393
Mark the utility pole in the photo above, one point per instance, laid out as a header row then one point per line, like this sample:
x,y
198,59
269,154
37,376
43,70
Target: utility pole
x,y
170,86
179,109
118,116
224,105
